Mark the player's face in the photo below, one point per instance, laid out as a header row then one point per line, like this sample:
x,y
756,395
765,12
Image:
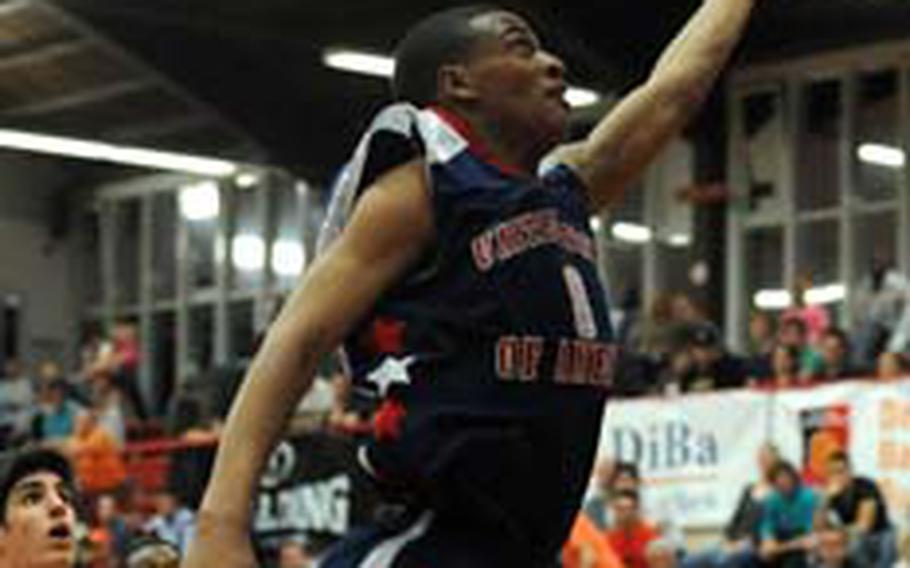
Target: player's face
x,y
39,528
517,84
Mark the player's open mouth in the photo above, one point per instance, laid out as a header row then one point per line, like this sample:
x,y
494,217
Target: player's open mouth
x,y
61,532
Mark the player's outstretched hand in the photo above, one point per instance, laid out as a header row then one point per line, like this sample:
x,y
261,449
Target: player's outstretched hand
x,y
219,542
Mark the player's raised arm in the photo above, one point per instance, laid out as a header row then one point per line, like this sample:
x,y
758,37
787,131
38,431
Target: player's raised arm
x,y
625,141
390,228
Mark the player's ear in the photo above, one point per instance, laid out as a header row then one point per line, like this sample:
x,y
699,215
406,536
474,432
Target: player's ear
x,y
454,82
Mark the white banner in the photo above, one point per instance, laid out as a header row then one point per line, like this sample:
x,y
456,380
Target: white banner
x,y
697,452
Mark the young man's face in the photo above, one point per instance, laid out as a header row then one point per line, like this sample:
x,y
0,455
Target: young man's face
x,y
516,83
39,527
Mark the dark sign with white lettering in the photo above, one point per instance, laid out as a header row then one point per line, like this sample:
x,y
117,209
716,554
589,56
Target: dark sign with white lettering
x,y
312,490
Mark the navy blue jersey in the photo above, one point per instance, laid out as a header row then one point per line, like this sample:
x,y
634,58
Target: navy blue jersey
x,y
494,354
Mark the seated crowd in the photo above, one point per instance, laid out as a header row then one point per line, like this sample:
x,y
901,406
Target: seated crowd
x,y
780,521
94,412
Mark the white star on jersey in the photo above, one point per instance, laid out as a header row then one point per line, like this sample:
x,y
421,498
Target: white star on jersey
x,y
391,371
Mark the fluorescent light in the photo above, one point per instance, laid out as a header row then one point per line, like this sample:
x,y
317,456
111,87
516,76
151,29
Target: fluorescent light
x,y
679,240
287,258
578,97
881,155
200,201
360,62
104,152
828,294
378,65
631,232
596,223
772,299
246,180
248,252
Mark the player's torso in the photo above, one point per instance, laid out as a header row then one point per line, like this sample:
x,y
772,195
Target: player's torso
x,y
508,292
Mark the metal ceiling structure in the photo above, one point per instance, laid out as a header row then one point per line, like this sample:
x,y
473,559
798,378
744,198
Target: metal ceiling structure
x,y
244,79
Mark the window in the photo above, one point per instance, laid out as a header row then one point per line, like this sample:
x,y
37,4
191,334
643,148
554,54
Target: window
x,y
765,157
877,155
764,266
818,150
126,252
164,240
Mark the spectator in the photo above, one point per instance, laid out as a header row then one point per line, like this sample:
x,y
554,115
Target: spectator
x,y
661,554
762,341
813,316
587,547
835,350
857,504
110,527
96,456
597,507
893,365
787,520
657,340
56,417
762,335
742,533
833,550
121,363
38,517
17,399
109,407
152,553
878,303
293,554
172,523
630,534
785,367
713,366
794,333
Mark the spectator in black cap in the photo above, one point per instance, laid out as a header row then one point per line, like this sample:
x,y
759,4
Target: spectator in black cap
x,y
713,367
39,517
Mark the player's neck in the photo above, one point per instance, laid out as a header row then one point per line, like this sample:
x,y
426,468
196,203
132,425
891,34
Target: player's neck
x,y
509,150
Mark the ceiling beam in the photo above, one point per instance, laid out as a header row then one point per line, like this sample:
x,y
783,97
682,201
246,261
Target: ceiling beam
x,y
157,128
84,97
42,54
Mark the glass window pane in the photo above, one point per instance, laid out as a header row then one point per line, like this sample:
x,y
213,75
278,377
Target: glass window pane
x,y
631,208
674,264
763,127
126,252
247,243
764,261
877,136
202,339
624,270
164,239
288,254
91,267
874,242
818,166
201,252
163,357
242,335
818,252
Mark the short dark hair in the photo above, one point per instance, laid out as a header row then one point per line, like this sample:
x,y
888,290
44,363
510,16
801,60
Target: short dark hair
x,y
627,494
785,467
19,464
625,467
796,322
840,335
442,38
839,456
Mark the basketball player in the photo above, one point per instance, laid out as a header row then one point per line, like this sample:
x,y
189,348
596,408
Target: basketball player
x,y
464,287
38,523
